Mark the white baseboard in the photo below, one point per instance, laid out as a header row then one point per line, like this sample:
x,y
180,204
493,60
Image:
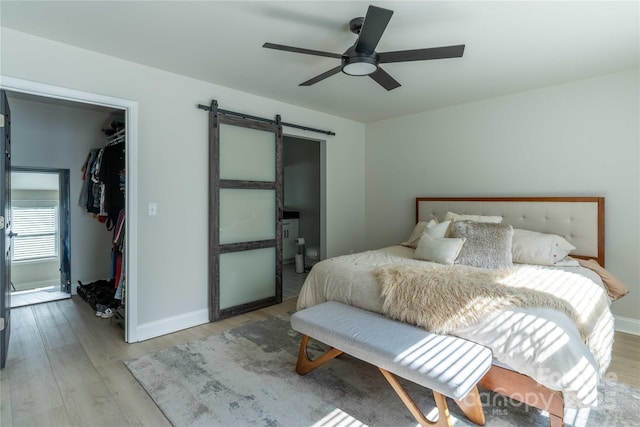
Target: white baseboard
x,y
627,325
150,330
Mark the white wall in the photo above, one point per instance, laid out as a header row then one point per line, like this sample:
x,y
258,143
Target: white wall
x,y
580,138
54,136
173,170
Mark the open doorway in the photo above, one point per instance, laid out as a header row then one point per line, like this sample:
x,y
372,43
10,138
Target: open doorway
x,y
64,248
40,258
23,89
303,212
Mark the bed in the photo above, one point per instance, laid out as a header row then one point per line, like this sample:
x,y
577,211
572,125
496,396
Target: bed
x,y
541,356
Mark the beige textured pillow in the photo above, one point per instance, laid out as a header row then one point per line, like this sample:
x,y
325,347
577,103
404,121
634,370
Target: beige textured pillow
x,y
438,249
487,245
477,218
531,247
615,288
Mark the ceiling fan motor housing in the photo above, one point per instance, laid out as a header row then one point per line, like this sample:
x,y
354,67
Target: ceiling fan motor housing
x,y
355,25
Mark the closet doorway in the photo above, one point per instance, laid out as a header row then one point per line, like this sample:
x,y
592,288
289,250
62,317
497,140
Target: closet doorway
x,y
52,134
40,96
40,258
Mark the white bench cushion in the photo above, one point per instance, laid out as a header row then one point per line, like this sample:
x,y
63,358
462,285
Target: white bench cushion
x,y
449,365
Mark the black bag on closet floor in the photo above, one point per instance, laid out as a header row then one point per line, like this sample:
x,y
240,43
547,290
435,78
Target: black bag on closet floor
x,y
98,292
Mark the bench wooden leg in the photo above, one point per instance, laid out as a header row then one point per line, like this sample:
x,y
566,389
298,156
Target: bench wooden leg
x,y
444,418
472,407
305,364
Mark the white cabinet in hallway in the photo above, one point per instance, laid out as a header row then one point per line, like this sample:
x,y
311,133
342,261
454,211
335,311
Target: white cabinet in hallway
x,y
289,239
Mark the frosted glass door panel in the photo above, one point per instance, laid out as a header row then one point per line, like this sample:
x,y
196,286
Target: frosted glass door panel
x,y
247,276
247,154
247,215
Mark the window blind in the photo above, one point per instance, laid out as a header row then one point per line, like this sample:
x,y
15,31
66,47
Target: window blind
x,y
37,232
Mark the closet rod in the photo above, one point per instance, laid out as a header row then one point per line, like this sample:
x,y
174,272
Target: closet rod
x,y
261,119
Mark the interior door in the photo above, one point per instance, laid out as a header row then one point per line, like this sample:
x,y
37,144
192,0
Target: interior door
x,y
245,227
5,225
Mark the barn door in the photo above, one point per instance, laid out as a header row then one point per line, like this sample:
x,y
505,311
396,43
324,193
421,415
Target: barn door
x,y
245,214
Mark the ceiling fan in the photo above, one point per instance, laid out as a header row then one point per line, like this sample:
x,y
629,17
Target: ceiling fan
x,y
361,59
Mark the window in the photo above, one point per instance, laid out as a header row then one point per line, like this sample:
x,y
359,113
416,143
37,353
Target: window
x,y
36,226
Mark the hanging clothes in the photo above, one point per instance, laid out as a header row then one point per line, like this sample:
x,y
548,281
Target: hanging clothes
x,y
103,175
111,167
87,194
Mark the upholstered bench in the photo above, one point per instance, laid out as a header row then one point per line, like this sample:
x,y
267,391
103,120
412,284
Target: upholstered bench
x,y
448,365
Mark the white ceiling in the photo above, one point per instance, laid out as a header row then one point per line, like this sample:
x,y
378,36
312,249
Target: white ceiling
x,y
510,46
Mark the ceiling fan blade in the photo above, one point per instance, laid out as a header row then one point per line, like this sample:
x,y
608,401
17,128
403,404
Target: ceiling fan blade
x,y
322,76
301,50
422,54
384,79
374,25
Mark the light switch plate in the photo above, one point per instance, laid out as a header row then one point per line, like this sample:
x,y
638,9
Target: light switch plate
x,y
152,209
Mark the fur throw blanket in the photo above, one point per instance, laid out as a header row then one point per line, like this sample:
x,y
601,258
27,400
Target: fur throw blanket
x,y
442,299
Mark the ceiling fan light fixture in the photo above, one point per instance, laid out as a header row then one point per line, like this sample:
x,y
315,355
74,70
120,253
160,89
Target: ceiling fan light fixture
x,y
359,66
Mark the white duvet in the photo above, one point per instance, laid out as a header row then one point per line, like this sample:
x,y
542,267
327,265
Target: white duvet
x,y
541,343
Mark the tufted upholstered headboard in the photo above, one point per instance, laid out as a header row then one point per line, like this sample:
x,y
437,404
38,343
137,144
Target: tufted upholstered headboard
x,y
580,220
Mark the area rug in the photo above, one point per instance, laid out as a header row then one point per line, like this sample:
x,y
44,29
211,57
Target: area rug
x,y
246,377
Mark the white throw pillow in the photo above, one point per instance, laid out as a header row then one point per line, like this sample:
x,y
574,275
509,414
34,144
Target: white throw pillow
x,y
531,247
477,218
417,233
438,230
438,249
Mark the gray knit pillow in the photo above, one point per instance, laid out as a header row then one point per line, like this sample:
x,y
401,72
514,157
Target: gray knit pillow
x,y
487,245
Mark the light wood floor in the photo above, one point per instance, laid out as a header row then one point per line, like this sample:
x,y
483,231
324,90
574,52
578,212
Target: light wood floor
x,y
19,299
65,366
291,281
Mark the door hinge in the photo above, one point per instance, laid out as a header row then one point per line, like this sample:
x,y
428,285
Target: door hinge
x,y
1,120
1,323
1,222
